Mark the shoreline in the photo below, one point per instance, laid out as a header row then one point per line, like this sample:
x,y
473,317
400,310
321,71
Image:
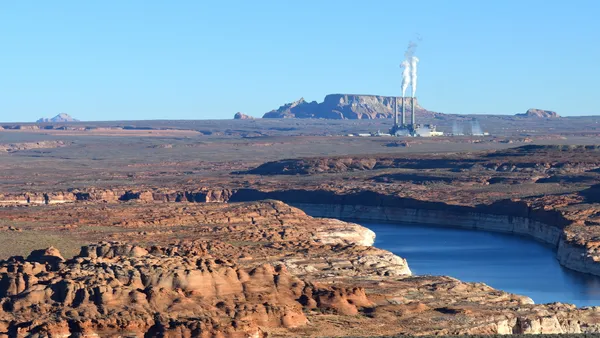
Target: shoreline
x,y
568,255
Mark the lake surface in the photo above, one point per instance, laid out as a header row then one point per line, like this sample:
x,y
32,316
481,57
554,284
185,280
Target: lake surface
x,y
506,262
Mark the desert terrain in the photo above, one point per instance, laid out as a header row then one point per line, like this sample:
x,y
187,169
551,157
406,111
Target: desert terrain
x,y
247,228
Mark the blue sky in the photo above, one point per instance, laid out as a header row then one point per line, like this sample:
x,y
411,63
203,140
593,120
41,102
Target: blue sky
x,y
114,60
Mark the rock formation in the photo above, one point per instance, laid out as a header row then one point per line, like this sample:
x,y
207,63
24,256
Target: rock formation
x,y
111,288
539,113
245,269
60,118
197,287
241,116
344,106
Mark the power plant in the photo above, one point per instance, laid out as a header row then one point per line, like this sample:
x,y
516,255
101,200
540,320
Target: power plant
x,y
413,128
409,77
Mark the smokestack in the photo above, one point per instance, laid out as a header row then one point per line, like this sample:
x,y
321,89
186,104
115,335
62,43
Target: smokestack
x,y
395,111
412,107
403,117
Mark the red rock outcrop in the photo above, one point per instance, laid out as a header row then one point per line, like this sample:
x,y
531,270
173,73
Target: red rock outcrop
x,y
191,292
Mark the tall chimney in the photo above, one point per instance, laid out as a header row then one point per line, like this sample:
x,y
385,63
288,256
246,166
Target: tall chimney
x,y
412,104
395,111
403,117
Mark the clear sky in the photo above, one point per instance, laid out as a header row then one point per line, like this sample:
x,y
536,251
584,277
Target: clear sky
x,y
133,59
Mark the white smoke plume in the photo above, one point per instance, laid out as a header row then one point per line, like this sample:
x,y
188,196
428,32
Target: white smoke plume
x,y
409,68
405,65
413,74
457,129
476,128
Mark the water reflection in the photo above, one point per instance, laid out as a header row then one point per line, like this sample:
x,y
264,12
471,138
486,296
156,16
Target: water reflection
x,y
506,262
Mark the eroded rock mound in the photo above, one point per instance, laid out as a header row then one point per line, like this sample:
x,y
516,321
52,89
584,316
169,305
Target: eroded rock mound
x,y
112,287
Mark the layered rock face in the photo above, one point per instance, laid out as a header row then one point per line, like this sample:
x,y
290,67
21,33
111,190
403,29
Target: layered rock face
x,y
345,106
539,113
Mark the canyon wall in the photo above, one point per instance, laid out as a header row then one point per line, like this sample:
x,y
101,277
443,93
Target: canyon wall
x,y
507,216
577,257
571,255
470,220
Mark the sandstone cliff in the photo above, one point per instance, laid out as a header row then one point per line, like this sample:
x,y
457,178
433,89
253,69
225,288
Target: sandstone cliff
x,y
345,106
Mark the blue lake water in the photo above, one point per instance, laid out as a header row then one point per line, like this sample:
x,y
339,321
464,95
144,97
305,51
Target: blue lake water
x,y
507,262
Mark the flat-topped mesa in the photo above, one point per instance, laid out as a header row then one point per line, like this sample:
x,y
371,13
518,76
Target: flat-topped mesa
x,y
345,106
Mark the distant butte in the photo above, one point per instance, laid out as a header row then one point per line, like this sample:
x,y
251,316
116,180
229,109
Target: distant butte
x,y
62,117
539,113
346,106
242,116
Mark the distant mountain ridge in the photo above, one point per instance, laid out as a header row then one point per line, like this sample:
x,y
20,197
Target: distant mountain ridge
x,y
346,106
62,117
